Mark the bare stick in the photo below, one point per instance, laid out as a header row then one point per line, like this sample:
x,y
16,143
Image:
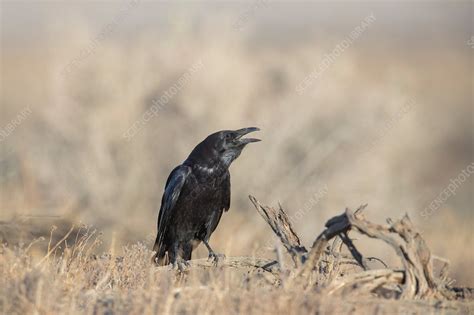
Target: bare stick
x,y
335,226
231,262
355,253
366,281
281,226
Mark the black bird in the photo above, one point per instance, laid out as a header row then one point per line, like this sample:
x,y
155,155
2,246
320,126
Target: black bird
x,y
196,194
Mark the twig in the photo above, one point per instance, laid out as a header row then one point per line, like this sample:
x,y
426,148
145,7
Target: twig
x,y
281,226
231,262
355,253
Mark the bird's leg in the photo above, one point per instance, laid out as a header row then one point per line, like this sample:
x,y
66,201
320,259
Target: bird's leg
x,y
212,254
177,261
180,264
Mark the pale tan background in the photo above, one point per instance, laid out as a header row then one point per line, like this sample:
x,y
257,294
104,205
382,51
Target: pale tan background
x,y
68,161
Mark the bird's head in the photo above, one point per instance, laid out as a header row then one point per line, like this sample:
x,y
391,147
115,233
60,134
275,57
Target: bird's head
x,y
225,145
230,143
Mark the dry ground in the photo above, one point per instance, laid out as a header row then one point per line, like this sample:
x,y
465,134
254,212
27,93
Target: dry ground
x,y
73,281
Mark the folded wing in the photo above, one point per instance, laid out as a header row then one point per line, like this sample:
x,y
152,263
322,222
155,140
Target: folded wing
x,y
173,187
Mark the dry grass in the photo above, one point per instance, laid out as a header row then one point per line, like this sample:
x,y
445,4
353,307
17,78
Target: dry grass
x,y
72,280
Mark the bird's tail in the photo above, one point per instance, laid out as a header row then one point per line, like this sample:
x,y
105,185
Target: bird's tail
x,y
164,255
160,257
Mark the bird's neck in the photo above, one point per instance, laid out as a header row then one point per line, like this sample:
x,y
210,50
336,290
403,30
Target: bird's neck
x,y
209,171
207,167
205,161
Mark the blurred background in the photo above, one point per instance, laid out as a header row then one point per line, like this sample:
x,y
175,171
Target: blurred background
x,y
358,102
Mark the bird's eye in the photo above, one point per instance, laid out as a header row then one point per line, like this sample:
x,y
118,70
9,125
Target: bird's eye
x,y
228,136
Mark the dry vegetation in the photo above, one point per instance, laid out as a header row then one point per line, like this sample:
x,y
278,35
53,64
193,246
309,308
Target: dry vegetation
x,y
70,279
336,145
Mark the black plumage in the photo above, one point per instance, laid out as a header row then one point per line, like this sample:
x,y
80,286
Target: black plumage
x,y
196,194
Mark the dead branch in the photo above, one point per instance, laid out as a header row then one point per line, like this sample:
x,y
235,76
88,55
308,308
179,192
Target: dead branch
x,y
335,226
231,262
354,251
419,281
281,226
416,280
365,282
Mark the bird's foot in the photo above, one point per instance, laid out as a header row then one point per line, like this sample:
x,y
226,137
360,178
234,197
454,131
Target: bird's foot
x,y
180,265
214,257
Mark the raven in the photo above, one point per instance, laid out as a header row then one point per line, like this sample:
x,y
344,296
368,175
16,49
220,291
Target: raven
x,y
196,194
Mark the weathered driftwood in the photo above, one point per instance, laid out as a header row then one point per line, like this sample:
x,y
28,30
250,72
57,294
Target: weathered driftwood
x,y
231,262
281,226
416,280
366,282
338,225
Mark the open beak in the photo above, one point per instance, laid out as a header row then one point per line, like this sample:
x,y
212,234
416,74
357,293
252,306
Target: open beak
x,y
242,132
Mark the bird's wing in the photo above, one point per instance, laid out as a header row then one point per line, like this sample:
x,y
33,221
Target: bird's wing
x,y
226,193
173,187
223,206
